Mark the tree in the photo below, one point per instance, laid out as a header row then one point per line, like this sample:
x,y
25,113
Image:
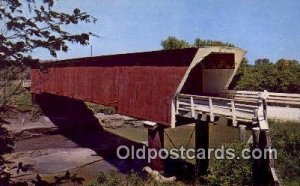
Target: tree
x,y
288,76
266,74
206,42
21,34
282,76
262,61
28,25
173,43
258,77
24,27
241,72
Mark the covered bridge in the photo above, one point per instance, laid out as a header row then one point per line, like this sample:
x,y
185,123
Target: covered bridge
x,y
142,85
159,85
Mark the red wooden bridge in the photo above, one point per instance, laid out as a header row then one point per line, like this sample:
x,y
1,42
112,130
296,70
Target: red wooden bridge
x,y
157,87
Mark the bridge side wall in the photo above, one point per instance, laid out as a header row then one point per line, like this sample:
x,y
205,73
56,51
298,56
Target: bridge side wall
x,y
141,92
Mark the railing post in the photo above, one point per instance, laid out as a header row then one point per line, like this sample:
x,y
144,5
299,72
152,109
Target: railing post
x,y
242,133
177,104
262,122
211,110
234,122
256,178
264,95
192,107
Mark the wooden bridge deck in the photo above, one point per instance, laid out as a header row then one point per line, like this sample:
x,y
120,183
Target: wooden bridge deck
x,y
235,110
251,109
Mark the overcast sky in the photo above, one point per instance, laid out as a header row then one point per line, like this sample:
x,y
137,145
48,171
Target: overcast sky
x,y
264,28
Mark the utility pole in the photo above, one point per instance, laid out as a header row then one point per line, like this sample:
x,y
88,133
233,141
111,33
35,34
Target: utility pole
x,y
91,50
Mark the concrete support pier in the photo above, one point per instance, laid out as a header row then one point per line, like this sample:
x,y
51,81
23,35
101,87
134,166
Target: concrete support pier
x,y
202,142
156,141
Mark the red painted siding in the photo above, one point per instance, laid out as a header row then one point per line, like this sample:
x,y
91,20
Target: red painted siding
x,y
141,85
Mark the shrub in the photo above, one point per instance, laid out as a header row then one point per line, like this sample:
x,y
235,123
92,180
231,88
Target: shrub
x,y
286,139
237,171
23,102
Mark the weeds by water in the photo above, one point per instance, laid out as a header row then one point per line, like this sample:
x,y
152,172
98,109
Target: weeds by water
x,y
113,178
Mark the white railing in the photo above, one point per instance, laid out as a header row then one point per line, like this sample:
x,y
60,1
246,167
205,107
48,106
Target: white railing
x,y
250,107
282,99
216,106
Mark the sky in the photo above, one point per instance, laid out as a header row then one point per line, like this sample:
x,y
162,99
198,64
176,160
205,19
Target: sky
x,y
264,28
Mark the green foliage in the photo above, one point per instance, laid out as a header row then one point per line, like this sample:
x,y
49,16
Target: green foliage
x,y
237,171
174,43
206,42
288,75
286,139
113,178
282,76
27,25
23,102
96,108
9,90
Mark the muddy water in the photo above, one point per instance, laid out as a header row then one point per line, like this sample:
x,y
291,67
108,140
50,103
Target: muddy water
x,y
105,142
45,142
